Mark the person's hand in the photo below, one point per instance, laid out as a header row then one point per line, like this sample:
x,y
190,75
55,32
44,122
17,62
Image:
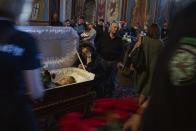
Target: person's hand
x,y
131,67
133,123
88,59
141,99
35,101
81,67
84,39
120,65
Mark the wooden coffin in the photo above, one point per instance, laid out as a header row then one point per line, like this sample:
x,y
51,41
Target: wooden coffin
x,y
60,43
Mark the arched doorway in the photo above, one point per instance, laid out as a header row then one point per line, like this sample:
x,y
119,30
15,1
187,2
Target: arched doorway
x,y
90,10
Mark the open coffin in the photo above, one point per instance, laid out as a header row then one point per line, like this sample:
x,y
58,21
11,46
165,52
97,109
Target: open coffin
x,y
58,46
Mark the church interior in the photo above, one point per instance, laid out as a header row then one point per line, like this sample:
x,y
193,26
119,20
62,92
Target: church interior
x,y
133,11
88,87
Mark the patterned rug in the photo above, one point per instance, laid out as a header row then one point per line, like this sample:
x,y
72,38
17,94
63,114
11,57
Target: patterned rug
x,y
124,87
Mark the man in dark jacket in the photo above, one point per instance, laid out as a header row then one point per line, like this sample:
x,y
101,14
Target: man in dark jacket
x,y
110,49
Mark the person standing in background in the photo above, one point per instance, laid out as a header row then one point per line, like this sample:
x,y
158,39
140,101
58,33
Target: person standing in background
x,y
55,20
99,29
67,23
81,25
19,69
143,78
152,46
73,23
107,26
91,35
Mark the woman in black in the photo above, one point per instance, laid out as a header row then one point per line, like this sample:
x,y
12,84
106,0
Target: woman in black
x,y
172,105
91,62
19,71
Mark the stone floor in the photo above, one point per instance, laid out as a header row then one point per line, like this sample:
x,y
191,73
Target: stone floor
x,y
124,87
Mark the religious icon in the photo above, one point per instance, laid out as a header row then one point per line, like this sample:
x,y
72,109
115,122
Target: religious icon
x,y
101,9
112,7
40,10
113,10
140,13
35,11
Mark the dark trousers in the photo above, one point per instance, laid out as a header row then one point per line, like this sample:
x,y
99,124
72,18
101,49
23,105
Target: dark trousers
x,y
17,116
110,71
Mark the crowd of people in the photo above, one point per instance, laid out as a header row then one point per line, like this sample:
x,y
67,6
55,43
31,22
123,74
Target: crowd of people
x,y
161,63
113,46
153,75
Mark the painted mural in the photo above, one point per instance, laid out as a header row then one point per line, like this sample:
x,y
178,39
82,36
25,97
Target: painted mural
x,y
139,17
138,12
90,10
40,11
101,9
113,10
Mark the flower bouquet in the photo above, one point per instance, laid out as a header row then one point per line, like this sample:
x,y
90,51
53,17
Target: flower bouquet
x,y
126,39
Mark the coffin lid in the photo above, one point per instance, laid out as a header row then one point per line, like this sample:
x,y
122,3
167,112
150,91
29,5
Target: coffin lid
x,y
57,44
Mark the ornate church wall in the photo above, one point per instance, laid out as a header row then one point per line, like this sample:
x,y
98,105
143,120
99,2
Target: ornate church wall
x,y
142,12
108,10
136,12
